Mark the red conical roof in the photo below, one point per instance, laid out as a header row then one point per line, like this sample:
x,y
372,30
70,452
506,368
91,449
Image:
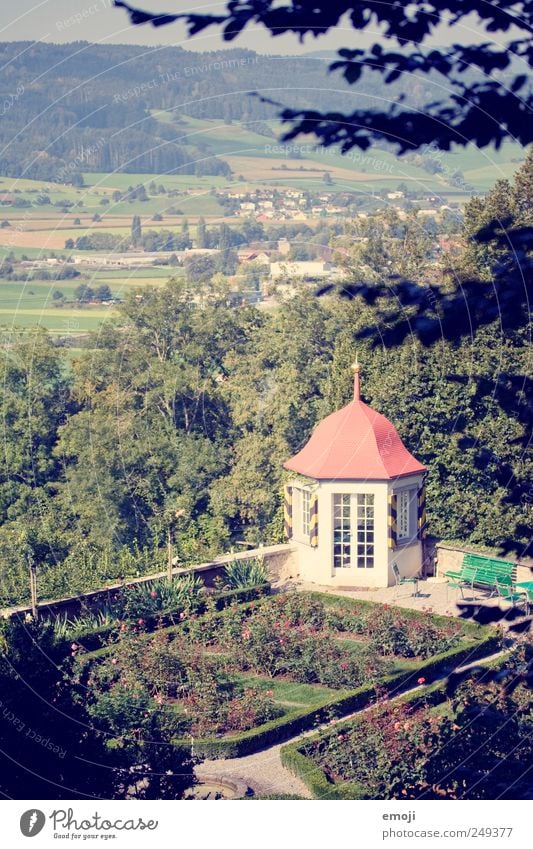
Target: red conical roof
x,y
355,443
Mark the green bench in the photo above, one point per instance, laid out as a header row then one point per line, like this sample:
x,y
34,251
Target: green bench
x,y
482,571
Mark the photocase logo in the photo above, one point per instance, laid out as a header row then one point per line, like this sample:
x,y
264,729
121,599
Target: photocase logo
x,y
32,822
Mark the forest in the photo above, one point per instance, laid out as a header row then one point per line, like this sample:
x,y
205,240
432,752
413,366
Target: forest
x,y
177,417
95,105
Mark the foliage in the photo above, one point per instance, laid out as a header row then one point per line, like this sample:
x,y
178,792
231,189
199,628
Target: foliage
x,y
471,746
393,633
134,601
151,597
294,635
241,574
479,108
178,418
118,130
141,679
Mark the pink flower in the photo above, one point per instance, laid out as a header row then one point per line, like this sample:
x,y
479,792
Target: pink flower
x,y
455,727
270,692
123,627
246,635
74,646
344,666
140,621
182,615
153,594
114,661
421,680
396,726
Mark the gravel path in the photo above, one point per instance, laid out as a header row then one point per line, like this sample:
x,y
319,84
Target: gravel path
x,y
262,771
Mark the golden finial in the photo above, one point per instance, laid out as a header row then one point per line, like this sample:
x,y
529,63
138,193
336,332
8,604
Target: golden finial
x,y
356,368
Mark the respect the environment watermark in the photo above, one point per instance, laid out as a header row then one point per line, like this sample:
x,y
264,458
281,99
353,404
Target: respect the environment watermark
x,y
83,15
30,733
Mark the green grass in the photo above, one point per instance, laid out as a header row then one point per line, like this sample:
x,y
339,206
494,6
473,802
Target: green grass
x,y
289,693
181,182
30,303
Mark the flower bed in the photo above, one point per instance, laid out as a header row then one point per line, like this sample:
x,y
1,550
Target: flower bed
x,y
96,629
467,742
254,673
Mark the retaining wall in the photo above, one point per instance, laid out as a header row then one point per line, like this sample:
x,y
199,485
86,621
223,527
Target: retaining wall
x,y
450,558
279,559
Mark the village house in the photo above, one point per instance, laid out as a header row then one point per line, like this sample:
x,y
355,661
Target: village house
x,y
303,270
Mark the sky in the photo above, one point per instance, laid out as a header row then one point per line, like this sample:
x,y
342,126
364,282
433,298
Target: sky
x,y
98,21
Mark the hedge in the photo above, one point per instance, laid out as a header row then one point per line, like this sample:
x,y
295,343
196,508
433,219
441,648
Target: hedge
x,y
284,727
317,782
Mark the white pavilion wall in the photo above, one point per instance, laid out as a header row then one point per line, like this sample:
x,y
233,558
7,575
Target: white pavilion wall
x,y
316,564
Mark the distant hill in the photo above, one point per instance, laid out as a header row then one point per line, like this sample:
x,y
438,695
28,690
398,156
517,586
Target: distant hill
x,y
84,107
66,109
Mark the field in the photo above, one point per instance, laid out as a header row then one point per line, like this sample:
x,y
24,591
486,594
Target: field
x,y
30,303
355,171
56,213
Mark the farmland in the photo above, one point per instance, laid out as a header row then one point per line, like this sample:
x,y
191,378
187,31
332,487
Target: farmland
x,y
40,218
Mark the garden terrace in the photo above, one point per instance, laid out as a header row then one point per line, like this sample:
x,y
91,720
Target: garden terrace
x,y
256,673
468,742
161,602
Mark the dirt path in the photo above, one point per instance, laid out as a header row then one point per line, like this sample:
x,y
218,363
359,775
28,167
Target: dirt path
x,y
263,771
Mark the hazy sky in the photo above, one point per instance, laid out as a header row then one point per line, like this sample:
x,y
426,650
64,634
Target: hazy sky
x,y
99,21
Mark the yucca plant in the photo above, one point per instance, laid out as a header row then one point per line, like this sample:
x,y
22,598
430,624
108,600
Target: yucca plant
x,y
243,574
65,628
161,596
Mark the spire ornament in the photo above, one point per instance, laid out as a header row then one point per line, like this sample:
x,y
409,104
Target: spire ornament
x,y
356,368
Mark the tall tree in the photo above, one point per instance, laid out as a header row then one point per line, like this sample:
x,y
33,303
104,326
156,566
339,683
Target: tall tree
x,y
136,231
201,234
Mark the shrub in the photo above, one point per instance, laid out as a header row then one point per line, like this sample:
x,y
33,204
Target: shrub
x,y
393,633
469,743
242,574
154,597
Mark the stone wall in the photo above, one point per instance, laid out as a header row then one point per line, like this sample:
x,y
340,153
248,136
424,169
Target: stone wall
x,y
279,559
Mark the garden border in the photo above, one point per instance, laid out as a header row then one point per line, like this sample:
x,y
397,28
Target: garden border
x,y
315,779
283,728
91,640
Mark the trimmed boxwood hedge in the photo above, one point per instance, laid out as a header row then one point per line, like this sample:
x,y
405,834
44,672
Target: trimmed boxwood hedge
x,y
317,782
287,726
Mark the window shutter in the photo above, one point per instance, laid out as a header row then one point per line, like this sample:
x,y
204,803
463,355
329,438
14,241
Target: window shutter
x,y
287,511
422,521
393,512
313,521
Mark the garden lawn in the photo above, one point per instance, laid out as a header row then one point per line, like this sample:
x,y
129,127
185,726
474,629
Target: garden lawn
x,y
289,694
